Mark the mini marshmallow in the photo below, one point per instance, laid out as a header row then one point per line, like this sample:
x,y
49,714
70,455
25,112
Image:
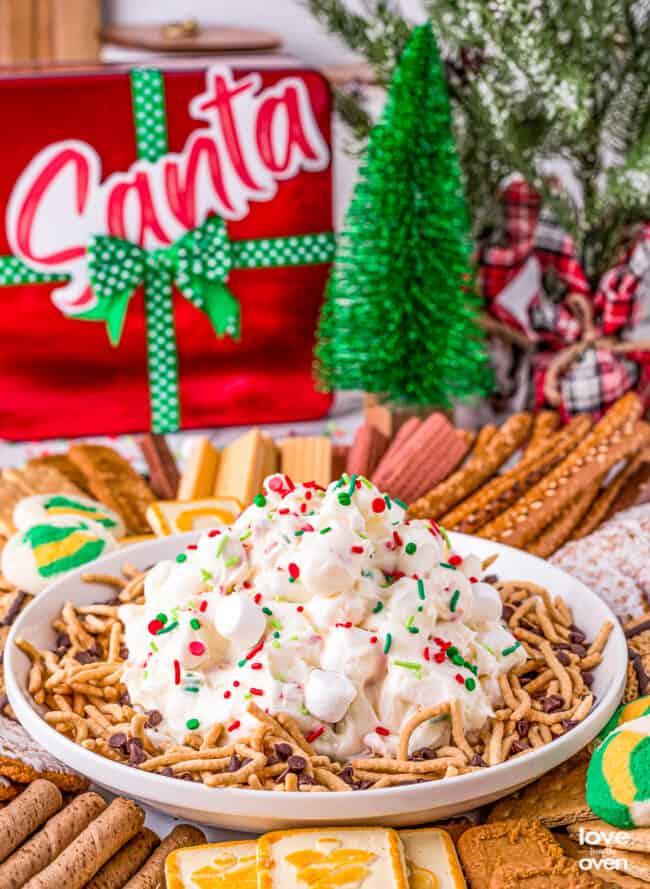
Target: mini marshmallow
x,y
328,695
239,620
486,606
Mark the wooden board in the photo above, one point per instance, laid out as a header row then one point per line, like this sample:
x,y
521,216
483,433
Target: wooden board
x,y
208,39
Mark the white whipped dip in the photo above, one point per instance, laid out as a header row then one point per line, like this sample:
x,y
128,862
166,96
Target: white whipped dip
x,y
328,605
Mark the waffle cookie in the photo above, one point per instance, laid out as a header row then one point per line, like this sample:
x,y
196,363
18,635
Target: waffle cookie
x,y
223,865
431,859
371,857
307,459
200,473
241,467
176,516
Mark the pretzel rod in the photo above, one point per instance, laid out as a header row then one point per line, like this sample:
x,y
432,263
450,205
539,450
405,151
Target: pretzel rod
x,y
544,425
483,438
504,490
560,529
601,506
479,468
601,450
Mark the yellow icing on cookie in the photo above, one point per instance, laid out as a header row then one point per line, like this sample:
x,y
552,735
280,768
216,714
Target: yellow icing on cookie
x,y
421,877
85,513
634,709
228,872
185,520
616,766
46,553
345,868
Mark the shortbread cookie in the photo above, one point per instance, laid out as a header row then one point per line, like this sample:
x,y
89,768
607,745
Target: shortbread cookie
x,y
555,799
486,848
200,473
113,481
368,856
33,558
240,468
42,479
65,466
226,865
41,508
164,476
307,459
176,516
431,859
152,872
22,759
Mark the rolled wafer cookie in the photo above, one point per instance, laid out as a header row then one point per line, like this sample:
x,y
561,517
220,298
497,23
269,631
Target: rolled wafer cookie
x,y
55,835
479,468
151,875
560,529
503,490
121,867
164,476
38,802
86,854
392,452
431,453
544,425
614,438
368,447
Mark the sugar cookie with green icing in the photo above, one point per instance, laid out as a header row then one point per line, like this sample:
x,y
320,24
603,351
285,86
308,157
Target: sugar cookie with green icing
x,y
44,507
618,777
36,556
625,713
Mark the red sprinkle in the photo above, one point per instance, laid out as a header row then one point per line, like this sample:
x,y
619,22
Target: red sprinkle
x,y
294,570
236,683
473,580
154,626
455,560
373,639
257,598
214,532
256,691
382,731
203,605
398,540
439,657
427,654
191,546
346,625
307,527
227,694
300,609
234,726
256,666
312,736
378,504
357,549
251,654
308,495
283,511
459,679
303,507
177,673
440,642
197,648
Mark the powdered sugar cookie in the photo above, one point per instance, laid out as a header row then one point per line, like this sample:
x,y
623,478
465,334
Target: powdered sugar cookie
x,y
43,507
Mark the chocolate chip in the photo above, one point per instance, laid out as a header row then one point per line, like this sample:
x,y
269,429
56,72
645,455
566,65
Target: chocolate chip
x,y
491,578
296,763
284,751
347,775
154,718
124,652
114,602
125,699
568,724
134,742
506,612
577,635
580,650
117,740
168,772
425,753
477,760
523,727
273,760
304,780
588,679
235,764
86,657
563,658
530,628
136,753
519,746
552,703
63,640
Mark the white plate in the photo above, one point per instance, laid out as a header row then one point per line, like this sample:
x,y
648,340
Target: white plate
x,y
251,810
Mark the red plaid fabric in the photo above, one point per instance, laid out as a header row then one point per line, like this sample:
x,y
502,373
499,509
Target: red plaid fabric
x,y
526,232
622,300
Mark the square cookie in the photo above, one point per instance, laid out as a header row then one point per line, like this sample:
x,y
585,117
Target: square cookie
x,y
176,516
223,865
431,859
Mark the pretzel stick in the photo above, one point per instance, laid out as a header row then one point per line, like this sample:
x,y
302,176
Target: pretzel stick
x,y
601,506
544,425
559,530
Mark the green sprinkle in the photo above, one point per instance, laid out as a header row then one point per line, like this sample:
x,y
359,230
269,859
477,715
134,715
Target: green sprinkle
x,y
195,623
167,629
410,548
325,530
420,609
470,684
344,499
447,565
388,643
267,611
387,501
293,638
242,662
280,677
488,649
410,621
353,484
234,560
246,535
421,589
259,500
192,689
162,618
340,482
276,635
365,482
507,651
401,503
304,710
458,659
276,624
248,695
145,673
451,651
275,644
454,600
192,724
181,557
298,533
222,544
409,665
414,629
206,575
377,607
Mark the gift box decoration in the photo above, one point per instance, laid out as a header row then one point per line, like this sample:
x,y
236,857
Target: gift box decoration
x,y
187,215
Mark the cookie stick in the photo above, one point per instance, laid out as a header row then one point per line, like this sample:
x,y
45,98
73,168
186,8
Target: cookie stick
x,y
544,425
50,841
532,513
477,470
499,493
126,862
26,813
151,874
79,863
559,531
164,476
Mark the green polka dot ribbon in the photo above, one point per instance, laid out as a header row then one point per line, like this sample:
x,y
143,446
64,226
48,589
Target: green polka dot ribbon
x,y
198,264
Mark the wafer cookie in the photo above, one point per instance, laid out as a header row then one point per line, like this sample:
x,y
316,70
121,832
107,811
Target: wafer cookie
x,y
152,873
431,859
26,813
177,516
41,479
239,474
480,467
164,476
544,425
271,458
113,481
125,863
504,490
431,453
307,459
200,474
65,466
233,864
392,452
560,529
368,447
614,438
